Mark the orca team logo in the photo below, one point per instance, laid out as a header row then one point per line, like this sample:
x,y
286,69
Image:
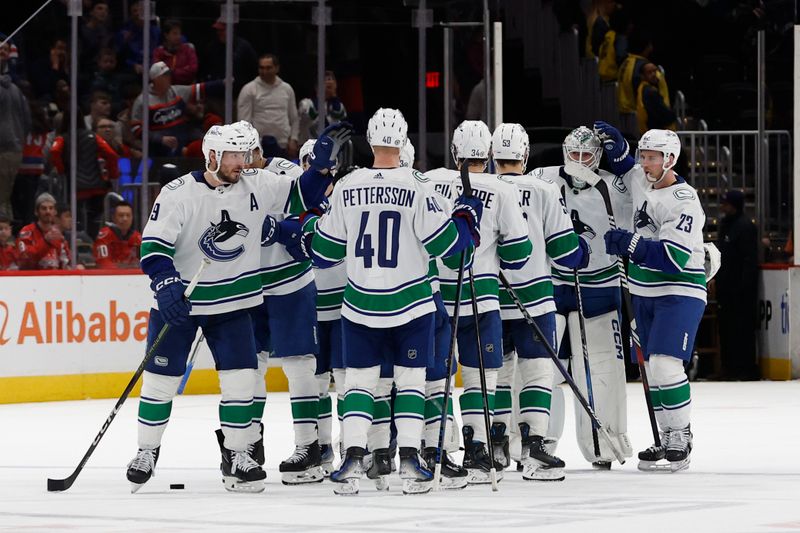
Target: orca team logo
x,y
224,241
643,220
581,227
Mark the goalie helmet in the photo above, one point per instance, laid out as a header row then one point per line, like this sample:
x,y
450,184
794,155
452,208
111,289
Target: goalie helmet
x,y
510,142
221,139
665,141
387,127
407,154
582,146
471,140
306,149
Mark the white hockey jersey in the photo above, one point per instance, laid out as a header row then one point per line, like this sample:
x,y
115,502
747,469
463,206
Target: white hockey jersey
x,y
191,220
280,272
590,219
674,217
552,238
330,291
504,238
386,224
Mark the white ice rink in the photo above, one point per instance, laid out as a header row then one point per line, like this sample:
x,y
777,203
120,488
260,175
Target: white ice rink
x,y
744,477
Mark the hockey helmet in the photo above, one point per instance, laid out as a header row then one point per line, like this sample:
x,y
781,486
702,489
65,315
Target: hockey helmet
x,y
387,127
221,139
510,142
665,141
471,140
407,154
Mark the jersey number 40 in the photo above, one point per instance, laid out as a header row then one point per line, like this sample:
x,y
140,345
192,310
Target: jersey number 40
x,y
388,221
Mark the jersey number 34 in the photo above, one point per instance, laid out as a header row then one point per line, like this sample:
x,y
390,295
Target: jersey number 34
x,y
388,239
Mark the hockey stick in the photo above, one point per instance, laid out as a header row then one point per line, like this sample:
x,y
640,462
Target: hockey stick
x,y
58,485
467,186
586,367
190,364
602,188
449,366
601,430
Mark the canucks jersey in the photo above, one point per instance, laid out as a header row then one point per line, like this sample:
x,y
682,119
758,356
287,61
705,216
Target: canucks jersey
x,y
280,272
191,220
504,238
590,220
553,240
330,291
672,219
387,223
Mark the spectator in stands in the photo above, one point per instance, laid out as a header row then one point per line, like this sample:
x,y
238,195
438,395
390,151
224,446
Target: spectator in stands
x,y
83,243
178,55
597,24
652,107
41,244
639,49
212,64
106,79
129,95
97,163
15,123
117,244
169,127
95,33
9,257
49,70
614,47
130,40
99,107
9,60
737,289
33,165
307,110
107,129
269,104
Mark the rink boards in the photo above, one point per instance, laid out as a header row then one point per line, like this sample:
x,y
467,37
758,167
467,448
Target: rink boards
x,y
71,336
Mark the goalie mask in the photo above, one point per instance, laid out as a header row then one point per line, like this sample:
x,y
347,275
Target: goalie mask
x,y
583,147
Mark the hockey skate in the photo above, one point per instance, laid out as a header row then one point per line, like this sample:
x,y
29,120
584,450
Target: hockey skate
x,y
240,473
256,450
500,443
417,479
303,466
142,468
679,449
539,464
347,477
649,458
326,457
380,469
476,460
454,476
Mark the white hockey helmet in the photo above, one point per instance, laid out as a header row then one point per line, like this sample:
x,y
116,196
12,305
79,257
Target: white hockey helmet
x,y
665,141
306,149
471,140
510,142
407,154
387,127
583,146
251,132
221,139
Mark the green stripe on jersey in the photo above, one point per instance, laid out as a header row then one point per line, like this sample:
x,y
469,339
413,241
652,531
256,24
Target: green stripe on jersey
x,y
528,294
278,276
680,257
453,262
607,274
221,290
444,241
387,302
152,247
514,252
650,277
330,299
327,248
562,245
296,203
433,269
483,287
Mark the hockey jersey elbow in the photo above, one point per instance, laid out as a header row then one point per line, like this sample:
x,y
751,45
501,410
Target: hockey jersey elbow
x,y
513,265
156,264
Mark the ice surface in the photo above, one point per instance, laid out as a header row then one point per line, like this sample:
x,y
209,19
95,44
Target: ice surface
x,y
744,476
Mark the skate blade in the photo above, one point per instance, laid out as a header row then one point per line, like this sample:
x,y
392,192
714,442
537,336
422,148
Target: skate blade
x,y
677,466
381,483
312,475
233,484
348,487
653,466
326,468
135,487
412,486
479,477
541,473
453,483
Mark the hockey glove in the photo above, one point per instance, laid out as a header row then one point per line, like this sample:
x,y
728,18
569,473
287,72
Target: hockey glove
x,y
269,231
470,209
292,237
172,305
614,144
328,145
624,243
586,253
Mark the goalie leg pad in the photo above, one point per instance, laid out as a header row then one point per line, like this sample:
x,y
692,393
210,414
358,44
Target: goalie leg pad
x,y
607,367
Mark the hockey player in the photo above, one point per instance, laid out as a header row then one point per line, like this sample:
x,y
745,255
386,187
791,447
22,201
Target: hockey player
x,y
387,224
504,243
600,293
293,337
216,214
553,239
667,279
